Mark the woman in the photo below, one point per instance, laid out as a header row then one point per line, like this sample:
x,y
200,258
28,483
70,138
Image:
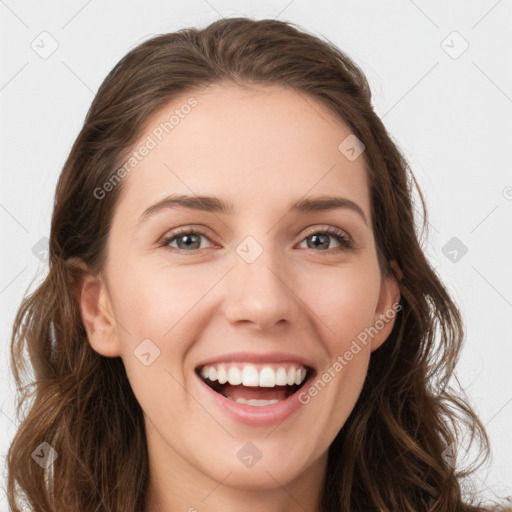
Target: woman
x,y
238,311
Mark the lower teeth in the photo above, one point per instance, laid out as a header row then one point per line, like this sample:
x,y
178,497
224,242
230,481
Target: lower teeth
x,y
253,402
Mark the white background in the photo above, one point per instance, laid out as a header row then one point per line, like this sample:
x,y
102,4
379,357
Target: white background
x,y
452,117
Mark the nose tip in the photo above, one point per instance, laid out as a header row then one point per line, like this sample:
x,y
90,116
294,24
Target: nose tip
x,y
260,295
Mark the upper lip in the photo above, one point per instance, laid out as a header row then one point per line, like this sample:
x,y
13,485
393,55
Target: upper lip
x,y
248,357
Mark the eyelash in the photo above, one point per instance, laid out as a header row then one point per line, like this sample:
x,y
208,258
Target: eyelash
x,y
343,239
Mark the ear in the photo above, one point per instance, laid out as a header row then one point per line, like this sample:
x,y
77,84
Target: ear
x,y
96,311
387,307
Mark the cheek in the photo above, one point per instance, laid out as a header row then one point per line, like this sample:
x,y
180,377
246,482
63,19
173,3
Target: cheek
x,y
344,300
151,301
165,306
156,321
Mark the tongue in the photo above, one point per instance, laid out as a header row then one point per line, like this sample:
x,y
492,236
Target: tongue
x,y
248,393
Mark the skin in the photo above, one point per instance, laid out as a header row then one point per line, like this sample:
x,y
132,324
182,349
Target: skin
x,y
261,148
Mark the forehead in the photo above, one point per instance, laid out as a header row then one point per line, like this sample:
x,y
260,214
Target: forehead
x,y
259,146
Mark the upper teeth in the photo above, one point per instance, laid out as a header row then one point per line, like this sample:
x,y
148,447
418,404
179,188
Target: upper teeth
x,y
250,375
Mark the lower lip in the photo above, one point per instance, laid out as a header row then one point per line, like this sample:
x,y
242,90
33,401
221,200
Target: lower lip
x,y
262,416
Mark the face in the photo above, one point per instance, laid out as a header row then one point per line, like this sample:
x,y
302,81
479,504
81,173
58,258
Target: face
x,y
259,291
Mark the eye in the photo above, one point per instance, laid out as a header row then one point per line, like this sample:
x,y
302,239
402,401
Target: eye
x,y
321,239
190,240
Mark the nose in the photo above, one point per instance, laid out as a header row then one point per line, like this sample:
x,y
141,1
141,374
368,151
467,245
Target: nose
x,y
260,294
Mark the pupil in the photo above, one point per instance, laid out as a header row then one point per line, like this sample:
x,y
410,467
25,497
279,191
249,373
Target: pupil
x,y
185,237
316,237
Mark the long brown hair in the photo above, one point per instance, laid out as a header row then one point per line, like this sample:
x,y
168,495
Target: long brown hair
x,y
394,452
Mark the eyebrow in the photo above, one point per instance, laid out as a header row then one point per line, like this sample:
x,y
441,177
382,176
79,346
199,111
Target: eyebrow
x,y
217,205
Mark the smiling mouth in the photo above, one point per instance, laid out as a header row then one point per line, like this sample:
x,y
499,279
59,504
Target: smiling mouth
x,y
255,395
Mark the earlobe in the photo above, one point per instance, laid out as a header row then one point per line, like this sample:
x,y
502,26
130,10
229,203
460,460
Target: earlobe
x,y
386,311
97,314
